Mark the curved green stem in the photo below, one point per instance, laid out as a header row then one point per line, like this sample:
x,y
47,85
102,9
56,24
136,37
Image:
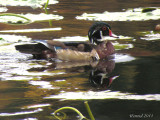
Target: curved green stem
x,y
59,117
71,108
46,11
11,14
89,110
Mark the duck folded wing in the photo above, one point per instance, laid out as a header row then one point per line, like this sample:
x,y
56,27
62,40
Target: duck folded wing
x,y
32,48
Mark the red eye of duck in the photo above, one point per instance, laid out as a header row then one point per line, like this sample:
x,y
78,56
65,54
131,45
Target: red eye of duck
x,y
104,28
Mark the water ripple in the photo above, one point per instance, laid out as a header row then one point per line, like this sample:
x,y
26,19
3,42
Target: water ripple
x,y
22,112
103,95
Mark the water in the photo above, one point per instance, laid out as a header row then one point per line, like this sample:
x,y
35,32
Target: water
x,y
34,89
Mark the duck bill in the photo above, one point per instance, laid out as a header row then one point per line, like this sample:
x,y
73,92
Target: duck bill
x,y
112,35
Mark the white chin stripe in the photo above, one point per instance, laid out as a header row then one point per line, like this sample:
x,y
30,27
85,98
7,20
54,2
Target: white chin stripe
x,y
97,56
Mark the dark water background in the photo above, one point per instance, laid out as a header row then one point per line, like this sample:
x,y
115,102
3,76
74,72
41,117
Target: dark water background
x,y
25,82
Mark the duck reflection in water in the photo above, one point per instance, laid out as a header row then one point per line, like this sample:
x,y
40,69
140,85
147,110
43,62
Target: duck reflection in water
x,y
99,71
100,74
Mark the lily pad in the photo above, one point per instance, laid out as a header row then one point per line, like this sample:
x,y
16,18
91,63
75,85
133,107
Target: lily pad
x,y
42,16
122,46
150,35
123,58
32,3
3,9
27,18
30,30
136,14
13,38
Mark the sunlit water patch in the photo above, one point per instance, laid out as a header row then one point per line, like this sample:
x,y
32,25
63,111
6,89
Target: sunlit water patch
x,y
22,112
8,39
150,35
116,44
32,3
3,9
43,84
73,39
85,38
136,14
36,106
10,65
123,58
15,65
31,30
103,95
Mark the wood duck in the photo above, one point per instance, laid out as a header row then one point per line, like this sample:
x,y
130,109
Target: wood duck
x,y
98,48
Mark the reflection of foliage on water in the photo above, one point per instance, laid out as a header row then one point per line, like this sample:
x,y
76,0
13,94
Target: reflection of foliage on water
x,y
36,94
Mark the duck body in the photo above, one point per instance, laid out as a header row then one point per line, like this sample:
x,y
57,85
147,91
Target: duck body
x,y
96,49
42,49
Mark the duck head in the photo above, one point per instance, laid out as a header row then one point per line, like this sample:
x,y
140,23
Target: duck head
x,y
98,31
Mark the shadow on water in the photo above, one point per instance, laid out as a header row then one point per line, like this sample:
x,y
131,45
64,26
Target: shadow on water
x,y
124,88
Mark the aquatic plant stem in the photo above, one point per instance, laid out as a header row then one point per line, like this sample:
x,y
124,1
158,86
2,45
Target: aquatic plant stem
x,y
89,110
71,108
46,5
46,11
